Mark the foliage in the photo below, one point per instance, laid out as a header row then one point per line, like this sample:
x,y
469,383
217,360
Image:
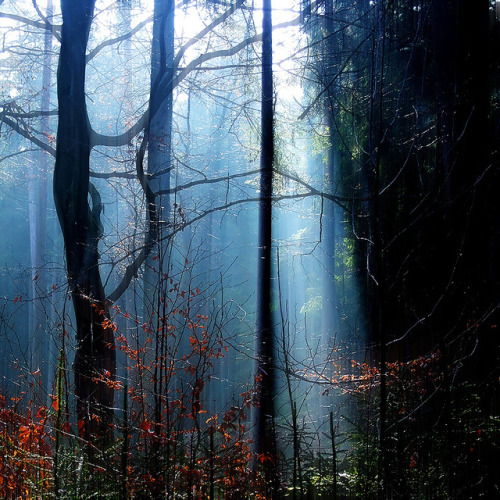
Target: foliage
x,y
167,444
25,450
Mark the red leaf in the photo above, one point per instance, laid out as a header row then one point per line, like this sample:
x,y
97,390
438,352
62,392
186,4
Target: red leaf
x,y
81,427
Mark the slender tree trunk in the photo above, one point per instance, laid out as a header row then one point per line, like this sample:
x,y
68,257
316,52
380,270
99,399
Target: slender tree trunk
x,y
160,138
266,439
329,303
376,271
38,236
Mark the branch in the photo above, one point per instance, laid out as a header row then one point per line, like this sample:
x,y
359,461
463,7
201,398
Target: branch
x,y
339,73
48,25
17,153
228,52
152,233
112,41
130,273
256,199
24,133
97,139
206,30
32,114
182,187
54,29
110,175
133,268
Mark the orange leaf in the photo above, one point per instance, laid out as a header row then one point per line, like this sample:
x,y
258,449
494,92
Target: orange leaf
x,y
24,433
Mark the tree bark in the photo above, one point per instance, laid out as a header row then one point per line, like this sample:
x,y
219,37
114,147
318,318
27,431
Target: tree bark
x,y
159,138
81,228
266,439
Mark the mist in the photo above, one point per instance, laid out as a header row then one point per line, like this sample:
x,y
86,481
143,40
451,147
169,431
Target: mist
x,y
248,249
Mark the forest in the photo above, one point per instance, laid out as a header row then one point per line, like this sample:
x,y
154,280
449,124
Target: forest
x,y
251,249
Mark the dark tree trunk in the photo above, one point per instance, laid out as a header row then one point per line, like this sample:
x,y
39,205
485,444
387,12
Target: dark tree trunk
x,y
81,228
329,302
159,137
266,440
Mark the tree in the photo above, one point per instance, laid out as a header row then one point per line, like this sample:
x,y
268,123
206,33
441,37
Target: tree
x,y
81,226
266,437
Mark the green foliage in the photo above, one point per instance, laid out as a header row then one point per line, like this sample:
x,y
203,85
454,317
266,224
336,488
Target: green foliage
x,y
313,305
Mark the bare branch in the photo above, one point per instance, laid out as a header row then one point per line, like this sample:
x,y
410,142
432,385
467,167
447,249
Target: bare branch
x,y
334,79
206,30
24,133
114,174
228,52
54,29
97,139
32,114
188,185
48,25
112,41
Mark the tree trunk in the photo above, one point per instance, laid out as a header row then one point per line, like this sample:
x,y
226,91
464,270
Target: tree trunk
x,y
266,439
38,236
329,303
160,137
81,228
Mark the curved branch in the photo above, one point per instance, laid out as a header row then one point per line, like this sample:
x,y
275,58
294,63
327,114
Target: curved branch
x,y
206,30
133,268
130,273
151,235
112,41
228,52
97,139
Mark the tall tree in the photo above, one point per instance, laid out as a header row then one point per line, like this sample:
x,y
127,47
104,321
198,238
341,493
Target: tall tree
x,y
160,137
266,438
38,226
81,227
329,306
